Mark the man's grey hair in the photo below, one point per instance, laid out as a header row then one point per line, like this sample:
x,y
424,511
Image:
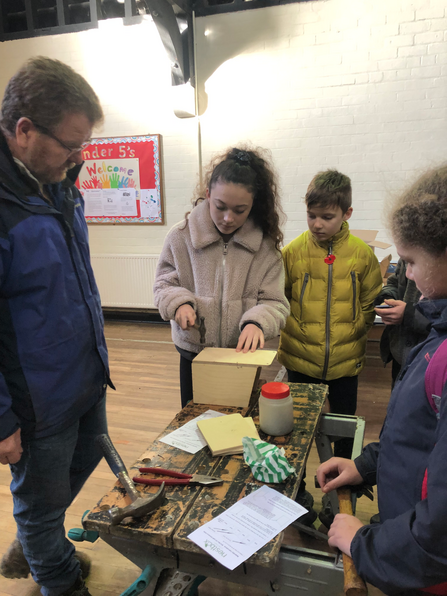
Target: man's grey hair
x,y
45,91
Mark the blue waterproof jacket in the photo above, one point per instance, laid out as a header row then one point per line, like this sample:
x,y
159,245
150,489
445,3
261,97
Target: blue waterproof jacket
x,y
53,357
408,550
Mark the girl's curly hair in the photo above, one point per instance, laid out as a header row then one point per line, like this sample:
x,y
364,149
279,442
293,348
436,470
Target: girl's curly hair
x,y
251,168
419,216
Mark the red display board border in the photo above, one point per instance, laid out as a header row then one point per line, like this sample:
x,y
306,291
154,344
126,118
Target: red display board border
x,y
145,148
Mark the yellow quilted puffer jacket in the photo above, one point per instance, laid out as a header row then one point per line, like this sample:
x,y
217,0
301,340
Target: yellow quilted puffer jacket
x,y
331,304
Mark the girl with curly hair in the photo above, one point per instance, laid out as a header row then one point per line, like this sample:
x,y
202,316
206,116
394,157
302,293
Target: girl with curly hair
x,y
406,553
223,264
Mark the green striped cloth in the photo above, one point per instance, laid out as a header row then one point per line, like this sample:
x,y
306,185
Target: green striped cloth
x,y
267,462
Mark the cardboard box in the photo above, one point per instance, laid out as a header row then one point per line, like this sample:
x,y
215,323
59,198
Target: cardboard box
x,y
369,236
384,267
222,376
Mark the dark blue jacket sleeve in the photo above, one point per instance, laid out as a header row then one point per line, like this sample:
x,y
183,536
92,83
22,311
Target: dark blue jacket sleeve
x,y
9,422
366,463
410,551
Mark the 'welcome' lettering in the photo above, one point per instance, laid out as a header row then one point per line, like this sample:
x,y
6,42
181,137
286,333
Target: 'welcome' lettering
x,y
91,171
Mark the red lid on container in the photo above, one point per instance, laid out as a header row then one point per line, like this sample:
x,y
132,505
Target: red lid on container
x,y
275,390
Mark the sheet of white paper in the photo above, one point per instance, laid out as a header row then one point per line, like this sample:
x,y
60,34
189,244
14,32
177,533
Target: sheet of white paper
x,y
188,437
235,535
128,201
149,204
111,201
93,202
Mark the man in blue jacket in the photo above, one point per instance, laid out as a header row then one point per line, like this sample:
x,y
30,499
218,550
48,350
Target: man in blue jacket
x,y
53,357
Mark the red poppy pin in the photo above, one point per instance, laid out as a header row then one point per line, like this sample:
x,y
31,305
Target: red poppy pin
x,y
329,259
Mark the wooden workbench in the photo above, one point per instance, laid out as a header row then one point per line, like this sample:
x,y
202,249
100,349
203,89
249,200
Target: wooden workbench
x,y
186,508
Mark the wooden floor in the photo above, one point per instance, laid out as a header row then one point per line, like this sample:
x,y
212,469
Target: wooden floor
x,y
144,368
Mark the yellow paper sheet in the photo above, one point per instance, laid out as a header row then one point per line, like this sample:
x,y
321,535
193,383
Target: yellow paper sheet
x,y
224,434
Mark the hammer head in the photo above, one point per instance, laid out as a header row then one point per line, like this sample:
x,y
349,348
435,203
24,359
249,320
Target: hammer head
x,y
141,506
202,331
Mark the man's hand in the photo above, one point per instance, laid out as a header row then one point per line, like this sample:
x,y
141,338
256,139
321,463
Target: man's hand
x,y
11,449
185,316
342,531
251,339
392,316
336,472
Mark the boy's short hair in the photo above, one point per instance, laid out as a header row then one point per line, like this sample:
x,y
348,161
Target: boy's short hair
x,y
329,188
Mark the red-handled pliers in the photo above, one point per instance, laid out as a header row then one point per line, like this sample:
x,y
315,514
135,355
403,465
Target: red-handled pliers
x,y
178,478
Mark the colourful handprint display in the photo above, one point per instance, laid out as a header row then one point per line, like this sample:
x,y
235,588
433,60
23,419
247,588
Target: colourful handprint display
x,y
92,183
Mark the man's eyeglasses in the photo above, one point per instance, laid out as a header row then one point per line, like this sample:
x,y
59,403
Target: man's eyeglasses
x,y
46,131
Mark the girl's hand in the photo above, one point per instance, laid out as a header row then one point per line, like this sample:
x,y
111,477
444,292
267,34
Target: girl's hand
x,y
342,531
185,316
336,472
251,339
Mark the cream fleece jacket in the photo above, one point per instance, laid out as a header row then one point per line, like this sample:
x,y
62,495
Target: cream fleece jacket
x,y
228,284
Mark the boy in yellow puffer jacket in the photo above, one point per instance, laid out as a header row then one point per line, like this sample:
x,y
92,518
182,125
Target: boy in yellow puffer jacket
x,y
332,279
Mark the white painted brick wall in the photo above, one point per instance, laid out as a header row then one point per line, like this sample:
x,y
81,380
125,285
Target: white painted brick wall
x,y
128,68
360,86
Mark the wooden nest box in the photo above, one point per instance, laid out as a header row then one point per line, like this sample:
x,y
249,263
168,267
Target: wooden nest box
x,y
222,376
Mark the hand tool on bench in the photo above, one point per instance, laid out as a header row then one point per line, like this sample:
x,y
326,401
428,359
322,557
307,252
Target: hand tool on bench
x,y
310,531
177,478
141,502
202,330
354,585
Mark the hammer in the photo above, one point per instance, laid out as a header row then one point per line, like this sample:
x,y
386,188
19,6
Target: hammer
x,y
354,585
202,330
140,504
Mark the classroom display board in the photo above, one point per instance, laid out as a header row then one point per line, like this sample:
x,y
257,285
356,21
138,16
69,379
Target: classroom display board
x,y
121,180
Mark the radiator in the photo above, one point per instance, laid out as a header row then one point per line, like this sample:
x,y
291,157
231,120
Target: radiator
x,y
125,281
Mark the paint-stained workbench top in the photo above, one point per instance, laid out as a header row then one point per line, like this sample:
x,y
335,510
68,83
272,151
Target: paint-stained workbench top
x,y
186,508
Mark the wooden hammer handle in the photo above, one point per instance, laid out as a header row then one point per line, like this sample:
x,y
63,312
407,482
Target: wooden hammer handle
x,y
354,585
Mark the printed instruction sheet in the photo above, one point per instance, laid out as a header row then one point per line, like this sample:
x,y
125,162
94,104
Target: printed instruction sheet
x,y
188,437
235,535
